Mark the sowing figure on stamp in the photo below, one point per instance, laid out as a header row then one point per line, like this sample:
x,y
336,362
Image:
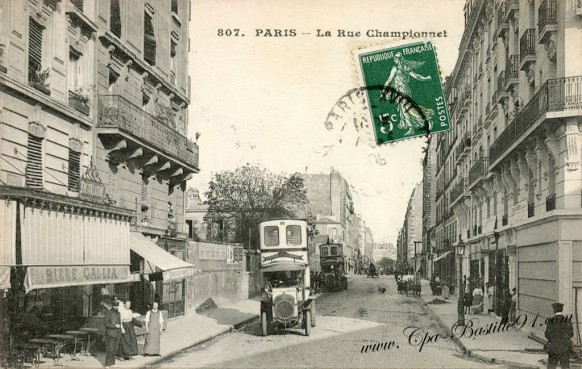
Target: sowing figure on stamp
x,y
399,79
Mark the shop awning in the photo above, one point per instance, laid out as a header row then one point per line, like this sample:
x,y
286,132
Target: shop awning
x,y
76,275
171,266
442,256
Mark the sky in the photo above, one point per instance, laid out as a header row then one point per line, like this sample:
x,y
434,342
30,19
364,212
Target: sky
x,y
264,100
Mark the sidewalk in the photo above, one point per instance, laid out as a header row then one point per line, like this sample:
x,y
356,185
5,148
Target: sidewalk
x,y
181,333
512,348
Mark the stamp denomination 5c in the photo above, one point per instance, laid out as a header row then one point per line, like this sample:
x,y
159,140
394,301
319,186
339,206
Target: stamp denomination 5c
x,y
404,91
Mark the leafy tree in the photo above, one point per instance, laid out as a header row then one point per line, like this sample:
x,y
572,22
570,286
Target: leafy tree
x,y
386,263
239,200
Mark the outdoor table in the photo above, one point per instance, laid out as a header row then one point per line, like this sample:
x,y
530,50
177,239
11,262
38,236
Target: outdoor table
x,y
90,332
29,347
49,342
62,338
78,335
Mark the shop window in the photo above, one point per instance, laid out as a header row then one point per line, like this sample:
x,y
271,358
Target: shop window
x,y
34,162
74,170
34,49
149,38
115,20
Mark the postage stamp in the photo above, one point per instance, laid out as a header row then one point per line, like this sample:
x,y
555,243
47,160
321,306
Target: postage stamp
x,y
404,91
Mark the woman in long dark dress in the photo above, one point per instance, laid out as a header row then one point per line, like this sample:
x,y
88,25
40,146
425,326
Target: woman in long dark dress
x,y
128,341
154,323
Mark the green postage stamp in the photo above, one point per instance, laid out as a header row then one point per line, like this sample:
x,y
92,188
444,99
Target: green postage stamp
x,y
404,91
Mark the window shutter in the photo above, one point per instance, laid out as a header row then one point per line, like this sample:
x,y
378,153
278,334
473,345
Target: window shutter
x,y
115,21
74,170
34,163
149,46
35,45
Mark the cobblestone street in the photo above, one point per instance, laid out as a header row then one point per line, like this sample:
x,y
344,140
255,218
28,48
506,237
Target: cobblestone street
x,y
346,321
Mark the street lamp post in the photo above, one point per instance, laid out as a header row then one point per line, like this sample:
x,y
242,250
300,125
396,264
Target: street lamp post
x,y
461,295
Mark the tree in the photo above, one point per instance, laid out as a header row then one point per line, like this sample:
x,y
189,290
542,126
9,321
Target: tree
x,y
386,263
239,200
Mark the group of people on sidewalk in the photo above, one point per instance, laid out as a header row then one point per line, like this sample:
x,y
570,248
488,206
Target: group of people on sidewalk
x,y
120,338
477,299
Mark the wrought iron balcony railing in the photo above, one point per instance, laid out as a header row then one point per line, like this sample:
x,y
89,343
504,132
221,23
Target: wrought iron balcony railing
x,y
458,190
530,209
527,45
117,112
551,202
546,15
512,70
555,95
478,170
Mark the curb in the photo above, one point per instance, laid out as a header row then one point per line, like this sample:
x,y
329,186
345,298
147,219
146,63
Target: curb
x,y
175,352
468,352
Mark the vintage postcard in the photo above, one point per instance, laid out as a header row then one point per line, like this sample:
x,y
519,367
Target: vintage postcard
x,y
290,184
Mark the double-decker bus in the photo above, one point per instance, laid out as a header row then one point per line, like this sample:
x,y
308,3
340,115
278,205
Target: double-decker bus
x,y
334,265
286,300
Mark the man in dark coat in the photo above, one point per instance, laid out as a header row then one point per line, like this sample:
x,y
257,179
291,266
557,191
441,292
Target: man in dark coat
x,y
559,331
112,332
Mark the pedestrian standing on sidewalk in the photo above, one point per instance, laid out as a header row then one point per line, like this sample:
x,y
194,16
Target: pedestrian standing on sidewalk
x,y
128,342
154,322
446,290
488,298
477,307
559,332
513,305
112,321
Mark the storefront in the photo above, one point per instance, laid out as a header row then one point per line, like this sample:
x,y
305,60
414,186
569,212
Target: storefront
x,y
163,273
60,256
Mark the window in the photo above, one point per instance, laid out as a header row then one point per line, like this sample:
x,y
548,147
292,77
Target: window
x,y
174,6
149,40
324,251
173,46
293,235
74,170
115,20
334,251
74,72
34,49
145,201
272,236
34,162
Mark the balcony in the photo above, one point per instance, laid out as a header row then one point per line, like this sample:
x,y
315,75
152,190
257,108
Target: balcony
x,y
478,171
458,191
499,95
511,7
547,20
118,116
551,202
527,49
530,209
511,71
559,94
502,24
464,146
504,219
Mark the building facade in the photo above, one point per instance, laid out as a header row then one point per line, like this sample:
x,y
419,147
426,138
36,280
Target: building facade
x,y
329,196
428,208
509,176
95,157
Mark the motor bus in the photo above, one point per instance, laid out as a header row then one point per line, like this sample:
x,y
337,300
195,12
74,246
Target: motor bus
x,y
334,266
286,295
